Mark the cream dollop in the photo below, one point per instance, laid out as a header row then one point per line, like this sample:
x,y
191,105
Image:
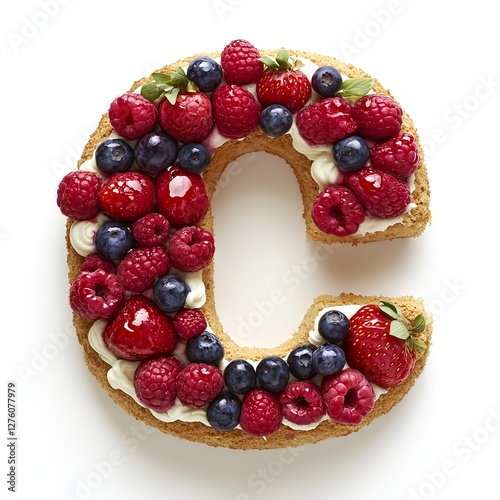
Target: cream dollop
x,y
82,234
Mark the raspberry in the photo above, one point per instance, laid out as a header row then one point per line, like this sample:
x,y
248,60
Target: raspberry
x,y
189,119
198,384
96,295
348,396
78,195
191,248
151,230
128,196
326,121
132,115
381,194
236,111
399,156
260,412
378,116
94,261
337,211
141,266
155,382
301,403
240,63
189,323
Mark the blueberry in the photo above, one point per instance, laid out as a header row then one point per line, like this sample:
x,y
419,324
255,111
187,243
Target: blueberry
x,y
205,348
205,72
273,373
194,157
328,359
113,240
326,81
113,156
300,362
223,412
333,326
351,153
240,376
155,152
170,292
276,120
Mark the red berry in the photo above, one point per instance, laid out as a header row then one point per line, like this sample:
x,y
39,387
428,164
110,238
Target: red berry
x,y
128,196
240,62
337,211
140,330
236,111
151,230
260,412
78,195
182,197
191,248
378,116
381,194
326,121
96,295
189,119
141,266
132,115
301,403
398,156
189,323
94,261
348,396
198,384
155,382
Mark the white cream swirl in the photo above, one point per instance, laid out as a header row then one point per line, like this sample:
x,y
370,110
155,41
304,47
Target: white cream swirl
x,y
82,234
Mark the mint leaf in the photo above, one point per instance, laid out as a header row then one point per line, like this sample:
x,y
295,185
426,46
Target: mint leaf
x,y
399,330
172,94
356,87
161,78
420,346
390,309
151,91
418,324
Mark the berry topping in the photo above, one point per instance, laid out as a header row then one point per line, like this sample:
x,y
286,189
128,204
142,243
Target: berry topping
x,y
78,195
301,403
236,111
240,62
155,382
128,196
260,412
170,293
378,116
276,120
194,157
151,230
351,153
326,81
94,262
337,211
132,116
155,152
205,72
300,362
140,268
189,323
113,240
223,413
328,359
381,194
333,326
96,295
198,384
240,376
205,348
191,248
113,156
273,373
326,121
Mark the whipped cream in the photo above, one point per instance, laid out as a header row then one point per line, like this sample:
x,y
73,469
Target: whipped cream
x,y
82,234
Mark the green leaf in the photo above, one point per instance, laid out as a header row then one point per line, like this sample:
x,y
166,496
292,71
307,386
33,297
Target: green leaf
x,y
390,309
269,62
282,58
421,346
399,330
151,91
172,94
161,78
418,324
356,87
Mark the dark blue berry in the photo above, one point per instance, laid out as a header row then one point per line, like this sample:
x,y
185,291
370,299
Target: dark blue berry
x,y
300,362
113,156
351,153
328,359
240,376
333,326
273,373
205,348
113,240
170,292
205,72
326,81
155,152
194,157
223,412
276,120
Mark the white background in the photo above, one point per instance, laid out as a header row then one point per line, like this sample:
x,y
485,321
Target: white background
x,y
63,62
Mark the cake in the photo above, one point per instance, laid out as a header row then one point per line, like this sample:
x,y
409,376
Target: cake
x,y
140,247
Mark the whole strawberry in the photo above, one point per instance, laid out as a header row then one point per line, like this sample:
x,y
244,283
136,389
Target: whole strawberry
x,y
241,63
381,343
283,82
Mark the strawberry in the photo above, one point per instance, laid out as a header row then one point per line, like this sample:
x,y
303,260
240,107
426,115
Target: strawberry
x,y
283,82
381,343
